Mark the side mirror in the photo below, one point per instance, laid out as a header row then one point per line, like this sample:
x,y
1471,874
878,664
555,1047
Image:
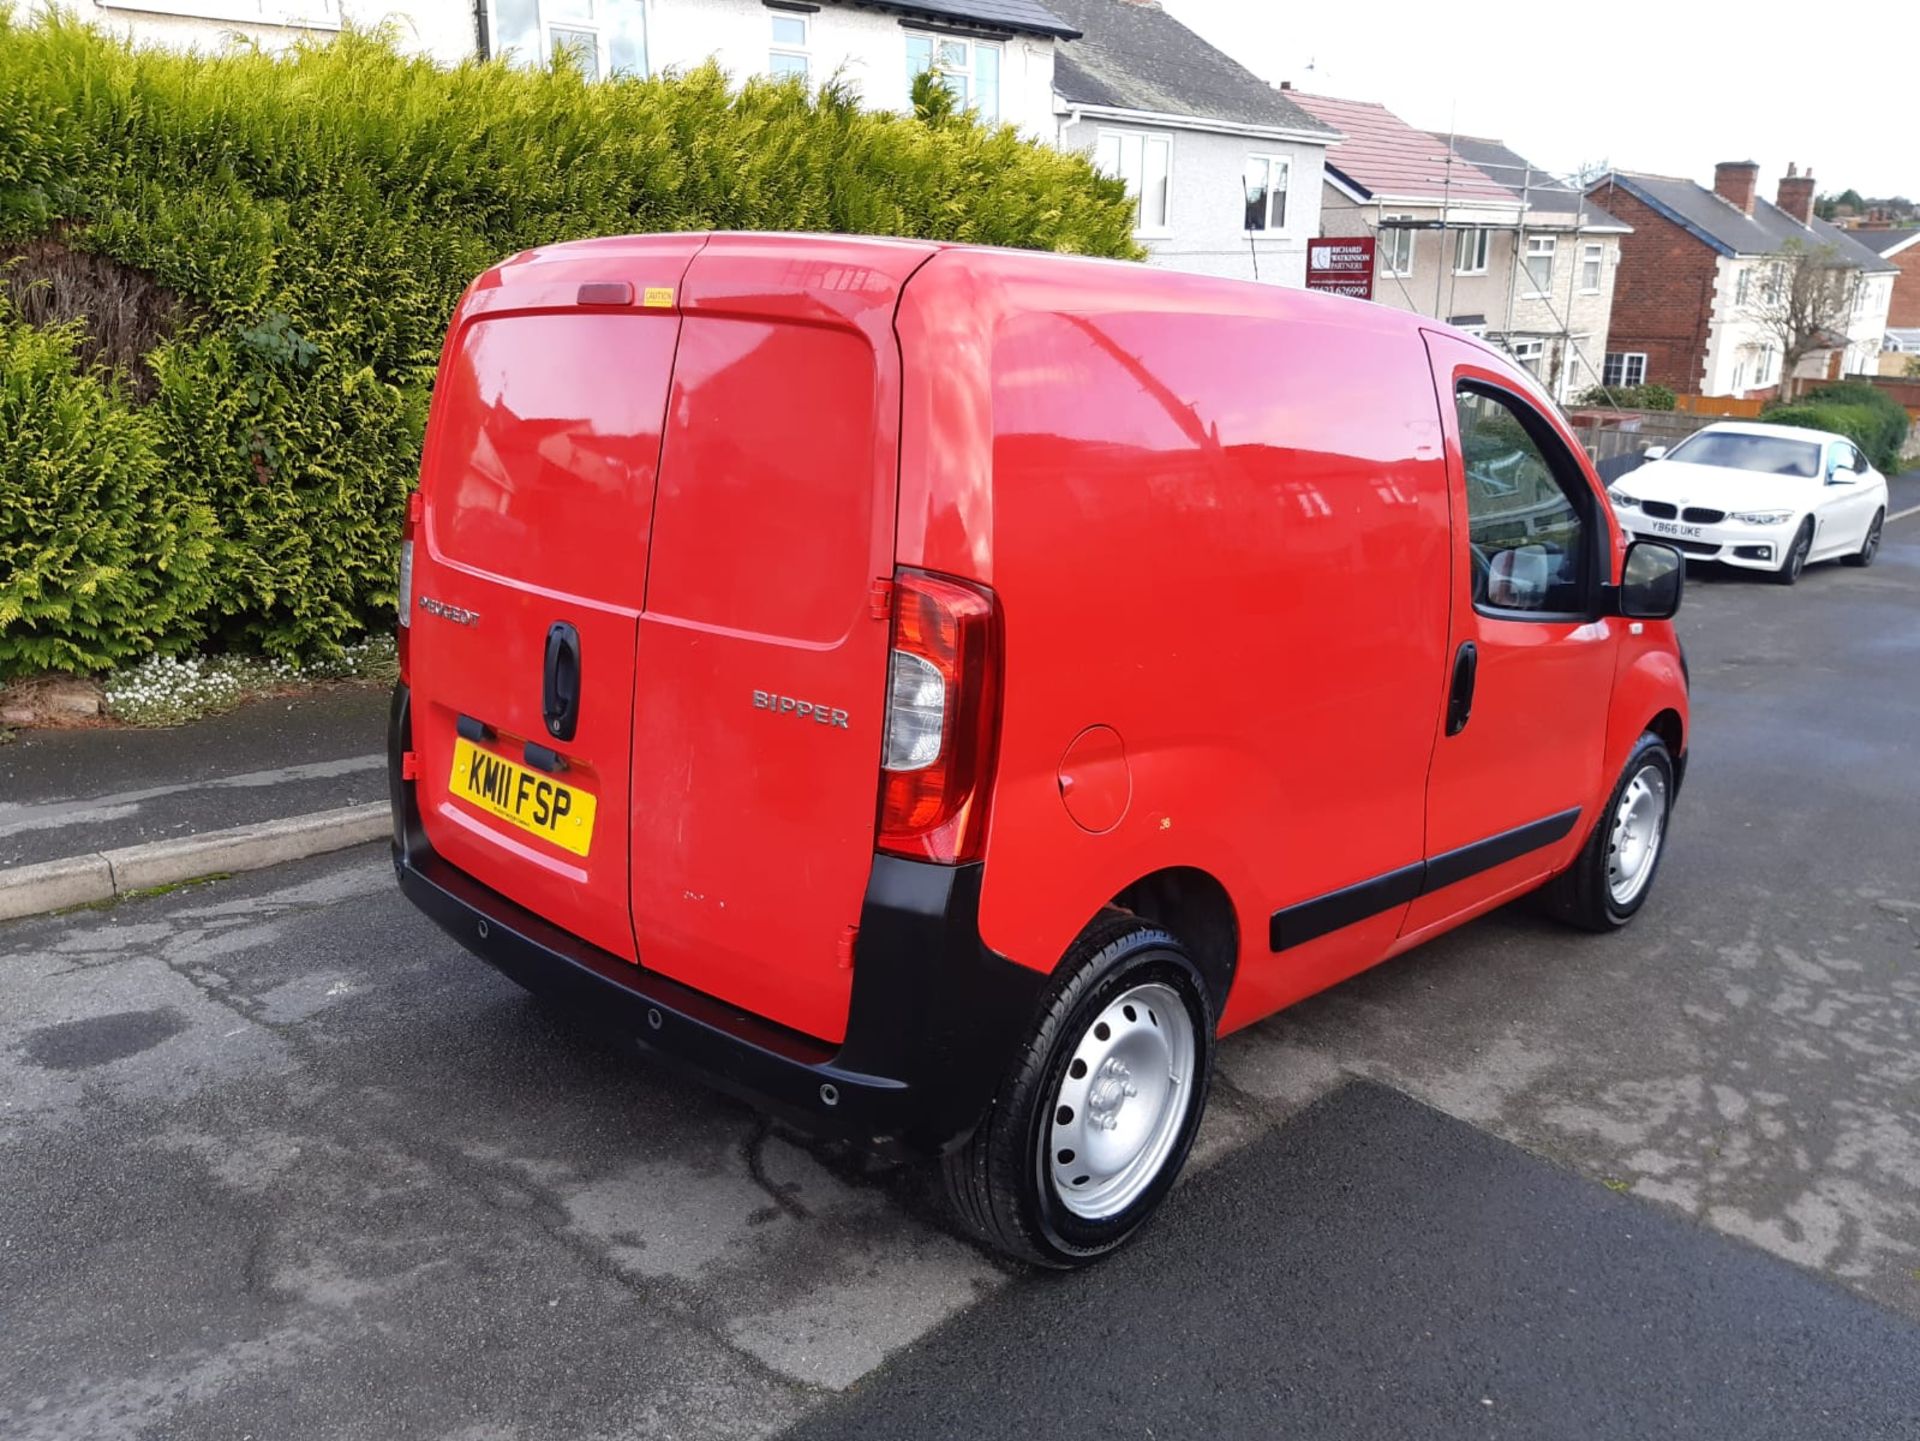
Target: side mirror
x,y
1651,581
1654,452
1517,579
1837,474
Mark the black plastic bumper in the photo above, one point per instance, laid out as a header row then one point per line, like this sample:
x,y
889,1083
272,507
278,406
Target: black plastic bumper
x,y
935,1021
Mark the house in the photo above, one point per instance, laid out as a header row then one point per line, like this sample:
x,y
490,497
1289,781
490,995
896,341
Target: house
x,y
1700,268
1901,248
998,55
1469,232
1225,169
1562,267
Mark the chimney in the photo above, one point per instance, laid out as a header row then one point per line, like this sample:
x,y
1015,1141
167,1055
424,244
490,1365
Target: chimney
x,y
1286,85
1735,181
1796,195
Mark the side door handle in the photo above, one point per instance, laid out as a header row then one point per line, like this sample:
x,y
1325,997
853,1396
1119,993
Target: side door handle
x,y
1466,666
560,690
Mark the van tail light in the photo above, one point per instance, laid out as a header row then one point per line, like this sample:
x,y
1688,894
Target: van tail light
x,y
403,592
943,712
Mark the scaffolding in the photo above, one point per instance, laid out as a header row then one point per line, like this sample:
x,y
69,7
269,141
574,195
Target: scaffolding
x,y
1448,273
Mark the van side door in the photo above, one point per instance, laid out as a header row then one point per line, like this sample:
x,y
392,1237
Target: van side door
x,y
1521,727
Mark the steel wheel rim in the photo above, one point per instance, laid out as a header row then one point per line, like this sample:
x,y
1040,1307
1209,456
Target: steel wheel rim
x,y
1122,1102
1639,825
1797,561
1873,538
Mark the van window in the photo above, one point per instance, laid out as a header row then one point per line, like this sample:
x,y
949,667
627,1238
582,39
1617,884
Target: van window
x,y
1530,538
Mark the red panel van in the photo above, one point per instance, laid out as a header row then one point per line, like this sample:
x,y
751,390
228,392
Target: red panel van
x,y
936,692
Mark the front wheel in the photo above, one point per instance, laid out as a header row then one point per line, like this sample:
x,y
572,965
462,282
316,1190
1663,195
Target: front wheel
x,y
1870,547
1094,1121
1609,880
1795,560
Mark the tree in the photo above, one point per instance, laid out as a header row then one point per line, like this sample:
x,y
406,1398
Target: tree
x,y
1802,304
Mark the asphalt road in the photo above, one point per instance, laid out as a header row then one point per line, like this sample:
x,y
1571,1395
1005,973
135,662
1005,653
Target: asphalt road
x,y
276,1159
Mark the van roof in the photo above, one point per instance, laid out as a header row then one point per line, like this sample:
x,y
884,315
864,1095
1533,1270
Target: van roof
x,y
1171,285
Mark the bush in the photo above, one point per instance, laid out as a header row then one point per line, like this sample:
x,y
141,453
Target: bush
x,y
291,232
1863,412
1858,423
104,549
1628,397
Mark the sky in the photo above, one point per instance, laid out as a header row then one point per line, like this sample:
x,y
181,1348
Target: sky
x,y
1568,86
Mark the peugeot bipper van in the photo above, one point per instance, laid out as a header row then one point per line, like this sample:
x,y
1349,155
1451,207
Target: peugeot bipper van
x,y
937,692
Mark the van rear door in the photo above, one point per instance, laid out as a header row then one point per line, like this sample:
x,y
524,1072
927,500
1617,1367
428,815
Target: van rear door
x,y
762,663
530,569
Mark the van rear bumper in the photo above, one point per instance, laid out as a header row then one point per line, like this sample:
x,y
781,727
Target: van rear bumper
x,y
936,1017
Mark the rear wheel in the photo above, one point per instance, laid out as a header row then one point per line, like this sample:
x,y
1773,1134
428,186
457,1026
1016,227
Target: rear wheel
x,y
1796,557
1609,880
1870,547
1087,1133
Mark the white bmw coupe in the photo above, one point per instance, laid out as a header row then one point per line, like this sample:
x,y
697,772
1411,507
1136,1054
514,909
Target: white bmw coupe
x,y
1766,497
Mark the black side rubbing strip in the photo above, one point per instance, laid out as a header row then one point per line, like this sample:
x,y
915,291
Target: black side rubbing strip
x,y
1309,920
473,730
1312,919
1453,866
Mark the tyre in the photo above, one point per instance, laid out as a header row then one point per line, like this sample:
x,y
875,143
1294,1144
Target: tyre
x,y
1094,1121
1610,879
1870,547
1796,557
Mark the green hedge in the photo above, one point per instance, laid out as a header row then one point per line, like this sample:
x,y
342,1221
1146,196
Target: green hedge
x,y
104,549
1862,412
312,218
1628,397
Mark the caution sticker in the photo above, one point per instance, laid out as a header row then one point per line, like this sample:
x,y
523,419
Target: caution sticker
x,y
658,297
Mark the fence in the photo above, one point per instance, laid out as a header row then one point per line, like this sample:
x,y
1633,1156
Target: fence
x,y
1610,434
1723,407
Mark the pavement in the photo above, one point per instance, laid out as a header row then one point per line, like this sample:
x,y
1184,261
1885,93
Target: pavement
x,y
75,791
277,1158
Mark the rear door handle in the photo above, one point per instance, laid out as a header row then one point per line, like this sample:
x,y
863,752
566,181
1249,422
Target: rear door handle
x,y
560,692
1466,666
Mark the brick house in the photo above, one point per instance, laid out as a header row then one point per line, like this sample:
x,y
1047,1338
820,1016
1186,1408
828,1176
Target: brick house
x,y
1900,248
1693,272
1469,232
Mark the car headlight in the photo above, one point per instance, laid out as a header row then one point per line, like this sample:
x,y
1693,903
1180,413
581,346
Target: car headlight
x,y
1620,497
1761,517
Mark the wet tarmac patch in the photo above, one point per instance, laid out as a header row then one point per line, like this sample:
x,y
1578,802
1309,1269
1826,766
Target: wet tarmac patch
x,y
98,1040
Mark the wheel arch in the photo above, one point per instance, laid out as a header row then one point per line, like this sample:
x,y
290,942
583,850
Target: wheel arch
x,y
1192,905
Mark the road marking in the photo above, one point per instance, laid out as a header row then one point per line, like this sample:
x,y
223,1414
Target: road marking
x,y
1903,514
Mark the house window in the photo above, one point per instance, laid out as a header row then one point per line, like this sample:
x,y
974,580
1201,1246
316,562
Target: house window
x,y
1528,353
1742,286
1739,377
1266,186
789,53
1470,252
1624,367
1393,250
1590,260
1569,371
604,37
969,68
1145,162
1763,368
1540,250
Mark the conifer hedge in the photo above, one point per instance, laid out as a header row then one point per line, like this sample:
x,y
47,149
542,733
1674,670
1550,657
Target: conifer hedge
x,y
301,226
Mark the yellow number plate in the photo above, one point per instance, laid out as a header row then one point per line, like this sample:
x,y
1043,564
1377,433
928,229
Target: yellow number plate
x,y
536,803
